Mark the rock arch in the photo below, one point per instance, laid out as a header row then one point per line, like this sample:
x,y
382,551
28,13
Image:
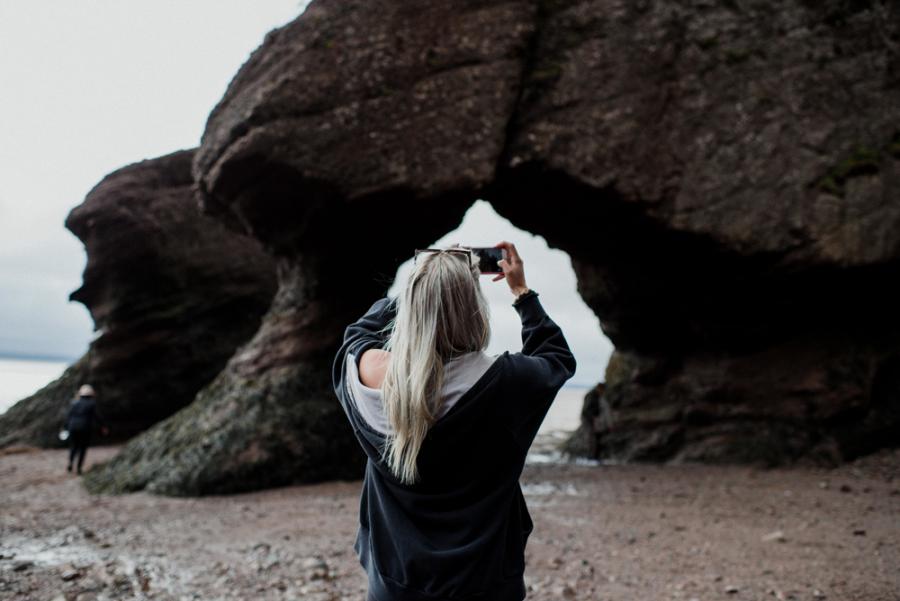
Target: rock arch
x,y
724,178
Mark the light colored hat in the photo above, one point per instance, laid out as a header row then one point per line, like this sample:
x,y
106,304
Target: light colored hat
x,y
86,390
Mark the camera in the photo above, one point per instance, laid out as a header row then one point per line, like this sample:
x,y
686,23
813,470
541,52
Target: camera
x,y
488,258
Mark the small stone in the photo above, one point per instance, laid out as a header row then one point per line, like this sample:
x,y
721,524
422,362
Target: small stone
x,y
777,535
316,568
70,575
311,563
91,585
818,594
731,589
22,565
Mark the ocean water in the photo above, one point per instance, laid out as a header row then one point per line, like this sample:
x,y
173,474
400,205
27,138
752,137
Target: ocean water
x,y
20,378
562,419
565,412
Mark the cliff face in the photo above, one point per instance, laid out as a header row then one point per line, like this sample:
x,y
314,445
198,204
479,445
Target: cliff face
x,y
172,294
724,177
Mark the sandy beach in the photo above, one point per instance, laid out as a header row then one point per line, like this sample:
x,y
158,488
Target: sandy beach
x,y
610,532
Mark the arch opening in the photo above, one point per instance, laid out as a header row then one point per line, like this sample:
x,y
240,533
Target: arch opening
x,y
549,271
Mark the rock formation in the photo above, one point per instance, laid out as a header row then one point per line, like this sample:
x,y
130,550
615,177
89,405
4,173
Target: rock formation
x,y
172,294
729,179
723,175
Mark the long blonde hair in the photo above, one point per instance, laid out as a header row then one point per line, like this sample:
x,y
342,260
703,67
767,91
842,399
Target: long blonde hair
x,y
441,314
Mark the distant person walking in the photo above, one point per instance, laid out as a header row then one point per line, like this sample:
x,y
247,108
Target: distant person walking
x,y
80,421
446,428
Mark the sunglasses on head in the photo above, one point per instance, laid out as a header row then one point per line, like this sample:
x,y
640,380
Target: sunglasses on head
x,y
463,253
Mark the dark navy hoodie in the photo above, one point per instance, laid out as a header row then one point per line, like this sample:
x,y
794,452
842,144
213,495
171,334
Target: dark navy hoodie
x,y
459,533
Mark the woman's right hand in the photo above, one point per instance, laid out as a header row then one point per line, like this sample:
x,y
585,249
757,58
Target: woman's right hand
x,y
513,268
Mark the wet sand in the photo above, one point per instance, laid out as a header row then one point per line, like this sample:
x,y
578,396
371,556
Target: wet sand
x,y
610,532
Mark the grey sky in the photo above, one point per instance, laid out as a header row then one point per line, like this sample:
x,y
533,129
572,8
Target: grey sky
x,y
89,87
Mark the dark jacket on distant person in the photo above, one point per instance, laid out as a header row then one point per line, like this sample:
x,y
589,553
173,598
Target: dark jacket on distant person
x,y
82,415
460,532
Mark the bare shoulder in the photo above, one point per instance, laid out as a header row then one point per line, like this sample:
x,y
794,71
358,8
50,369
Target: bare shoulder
x,y
373,366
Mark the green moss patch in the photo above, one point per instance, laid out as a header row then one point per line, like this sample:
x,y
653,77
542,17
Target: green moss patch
x,y
863,160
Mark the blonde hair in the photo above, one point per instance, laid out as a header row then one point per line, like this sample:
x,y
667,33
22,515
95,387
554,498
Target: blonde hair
x,y
441,314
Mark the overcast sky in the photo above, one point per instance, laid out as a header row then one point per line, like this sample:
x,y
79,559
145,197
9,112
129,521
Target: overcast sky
x,y
89,87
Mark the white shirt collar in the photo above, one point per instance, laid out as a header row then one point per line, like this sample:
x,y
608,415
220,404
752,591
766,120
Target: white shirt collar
x,y
460,373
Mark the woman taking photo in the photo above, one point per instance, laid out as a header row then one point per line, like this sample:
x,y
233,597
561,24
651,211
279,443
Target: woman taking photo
x,y
446,428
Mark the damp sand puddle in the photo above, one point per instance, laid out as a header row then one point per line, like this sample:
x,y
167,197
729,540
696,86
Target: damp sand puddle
x,y
69,560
